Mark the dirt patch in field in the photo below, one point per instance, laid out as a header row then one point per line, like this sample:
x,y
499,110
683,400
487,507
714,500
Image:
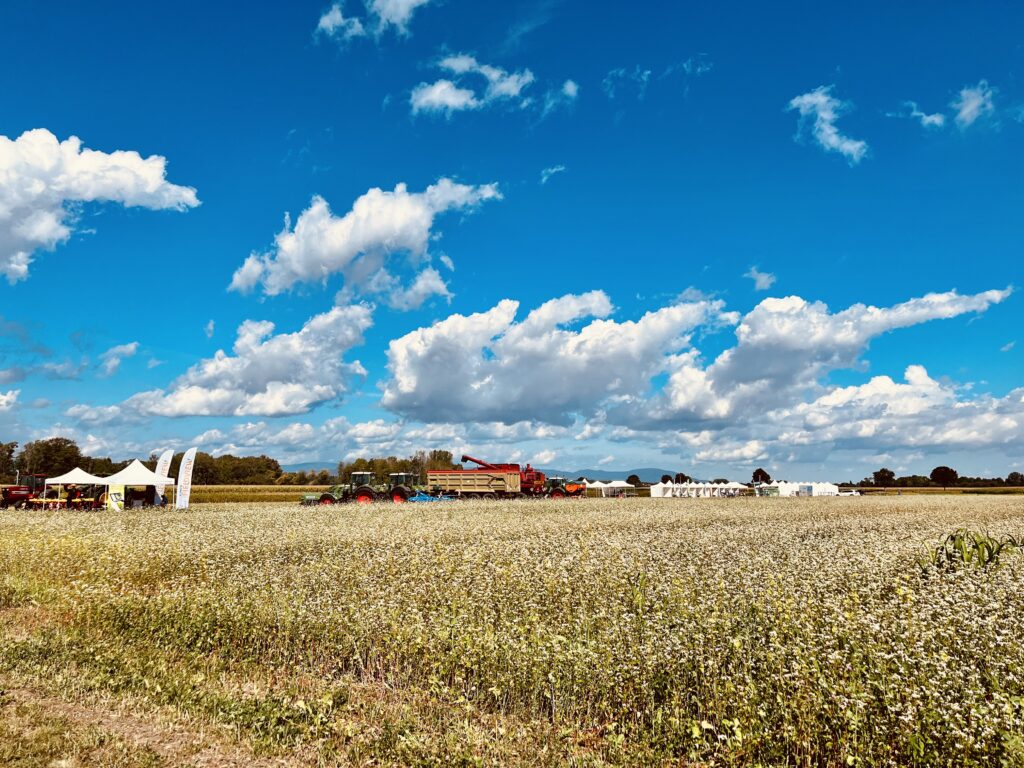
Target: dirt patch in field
x,y
50,731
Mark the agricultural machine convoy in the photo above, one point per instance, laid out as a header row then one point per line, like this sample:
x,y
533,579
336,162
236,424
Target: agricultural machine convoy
x,y
485,481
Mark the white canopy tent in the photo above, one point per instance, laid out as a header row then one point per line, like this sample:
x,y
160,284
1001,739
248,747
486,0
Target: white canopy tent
x,y
76,476
137,473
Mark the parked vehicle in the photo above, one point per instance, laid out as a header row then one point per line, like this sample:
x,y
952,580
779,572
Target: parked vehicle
x,y
18,496
499,481
362,488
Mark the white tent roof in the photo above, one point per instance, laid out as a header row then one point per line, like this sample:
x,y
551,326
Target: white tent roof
x,y
137,473
76,476
734,484
620,484
595,484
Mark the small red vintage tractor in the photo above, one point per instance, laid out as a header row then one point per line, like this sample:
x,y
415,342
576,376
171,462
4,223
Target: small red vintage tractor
x,y
18,496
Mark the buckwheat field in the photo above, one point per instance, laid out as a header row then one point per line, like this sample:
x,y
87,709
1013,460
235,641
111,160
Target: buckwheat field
x,y
621,632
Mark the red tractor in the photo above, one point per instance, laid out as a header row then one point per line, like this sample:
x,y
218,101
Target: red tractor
x,y
17,496
496,480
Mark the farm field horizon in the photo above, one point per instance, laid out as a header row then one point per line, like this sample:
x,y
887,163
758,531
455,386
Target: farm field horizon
x,y
599,632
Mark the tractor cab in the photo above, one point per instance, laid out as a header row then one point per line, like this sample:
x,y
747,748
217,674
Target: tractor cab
x,y
361,478
401,486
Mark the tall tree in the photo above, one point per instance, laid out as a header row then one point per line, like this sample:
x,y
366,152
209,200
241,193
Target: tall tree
x,y
760,476
633,480
1015,478
53,456
884,478
944,476
7,468
681,477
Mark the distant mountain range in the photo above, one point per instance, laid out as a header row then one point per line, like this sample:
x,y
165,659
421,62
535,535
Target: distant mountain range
x,y
311,466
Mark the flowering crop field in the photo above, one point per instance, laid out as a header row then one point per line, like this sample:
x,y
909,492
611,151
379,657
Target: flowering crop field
x,y
593,632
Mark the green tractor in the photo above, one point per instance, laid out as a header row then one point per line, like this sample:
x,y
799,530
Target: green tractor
x,y
359,489
401,486
362,489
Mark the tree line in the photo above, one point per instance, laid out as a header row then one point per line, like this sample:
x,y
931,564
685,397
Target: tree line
x,y
943,476
57,455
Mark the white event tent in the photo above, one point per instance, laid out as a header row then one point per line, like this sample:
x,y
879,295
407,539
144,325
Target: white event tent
x,y
135,474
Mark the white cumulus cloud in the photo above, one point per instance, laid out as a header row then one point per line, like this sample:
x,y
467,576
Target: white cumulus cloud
x,y
43,180
9,399
358,245
762,280
112,357
821,110
446,96
491,367
266,374
334,24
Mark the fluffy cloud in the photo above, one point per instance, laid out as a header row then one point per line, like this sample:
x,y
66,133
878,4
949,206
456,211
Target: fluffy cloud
x,y
43,180
394,13
446,96
427,284
973,103
384,14
267,375
9,399
442,96
111,359
820,108
762,280
335,25
491,367
784,347
359,244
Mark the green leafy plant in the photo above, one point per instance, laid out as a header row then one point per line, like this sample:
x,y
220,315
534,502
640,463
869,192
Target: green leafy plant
x,y
965,548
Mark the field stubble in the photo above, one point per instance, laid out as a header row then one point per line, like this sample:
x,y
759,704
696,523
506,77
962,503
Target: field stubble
x,y
732,632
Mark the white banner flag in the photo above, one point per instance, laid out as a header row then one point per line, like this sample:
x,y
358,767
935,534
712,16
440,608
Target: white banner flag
x,y
163,465
185,478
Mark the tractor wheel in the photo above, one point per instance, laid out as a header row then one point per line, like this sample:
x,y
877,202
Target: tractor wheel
x,y
558,493
400,494
365,495
327,499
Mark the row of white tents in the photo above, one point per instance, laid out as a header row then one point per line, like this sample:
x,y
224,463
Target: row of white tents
x,y
135,474
696,490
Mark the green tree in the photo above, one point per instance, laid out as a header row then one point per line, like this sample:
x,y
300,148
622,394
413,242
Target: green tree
x,y
7,467
633,480
1015,478
944,476
50,457
682,477
760,476
884,478
666,478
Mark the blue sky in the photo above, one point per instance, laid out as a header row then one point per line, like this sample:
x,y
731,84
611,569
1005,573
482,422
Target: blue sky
x,y
786,236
